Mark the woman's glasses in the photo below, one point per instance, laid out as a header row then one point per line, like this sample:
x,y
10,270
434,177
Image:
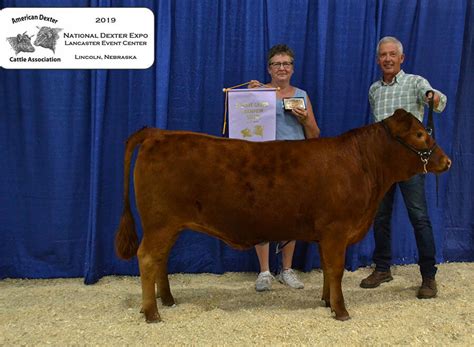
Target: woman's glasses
x,y
285,65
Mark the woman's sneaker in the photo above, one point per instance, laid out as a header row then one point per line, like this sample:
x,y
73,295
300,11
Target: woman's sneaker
x,y
264,281
289,278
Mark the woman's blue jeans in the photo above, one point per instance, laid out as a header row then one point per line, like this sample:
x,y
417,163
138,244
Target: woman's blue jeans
x,y
413,192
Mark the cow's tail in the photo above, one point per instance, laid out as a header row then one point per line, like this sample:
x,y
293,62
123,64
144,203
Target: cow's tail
x,y
126,239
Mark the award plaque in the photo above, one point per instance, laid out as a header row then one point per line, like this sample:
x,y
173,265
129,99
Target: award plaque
x,y
291,103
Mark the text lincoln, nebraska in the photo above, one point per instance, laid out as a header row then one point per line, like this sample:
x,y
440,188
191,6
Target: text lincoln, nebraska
x,y
105,57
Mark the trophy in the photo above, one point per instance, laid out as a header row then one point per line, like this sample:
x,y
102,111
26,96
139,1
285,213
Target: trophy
x,y
291,103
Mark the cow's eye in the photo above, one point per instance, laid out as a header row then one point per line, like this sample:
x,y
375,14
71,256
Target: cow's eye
x,y
419,134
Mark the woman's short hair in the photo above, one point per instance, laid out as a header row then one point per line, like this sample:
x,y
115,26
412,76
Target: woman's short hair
x,y
280,49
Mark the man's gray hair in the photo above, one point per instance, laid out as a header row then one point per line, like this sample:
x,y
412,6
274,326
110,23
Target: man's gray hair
x,y
392,40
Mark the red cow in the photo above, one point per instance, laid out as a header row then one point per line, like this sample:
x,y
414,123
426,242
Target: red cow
x,y
320,190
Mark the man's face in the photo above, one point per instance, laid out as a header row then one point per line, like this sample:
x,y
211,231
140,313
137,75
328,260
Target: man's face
x,y
390,59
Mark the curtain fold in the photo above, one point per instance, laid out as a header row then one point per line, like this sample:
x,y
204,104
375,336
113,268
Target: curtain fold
x,y
63,132
457,217
98,97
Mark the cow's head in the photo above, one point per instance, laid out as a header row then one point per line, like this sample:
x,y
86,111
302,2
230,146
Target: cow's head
x,y
416,146
47,37
21,43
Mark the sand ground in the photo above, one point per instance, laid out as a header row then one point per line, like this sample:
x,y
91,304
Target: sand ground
x,y
225,310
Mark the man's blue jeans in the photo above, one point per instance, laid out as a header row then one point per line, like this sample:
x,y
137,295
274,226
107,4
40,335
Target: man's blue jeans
x,y
413,192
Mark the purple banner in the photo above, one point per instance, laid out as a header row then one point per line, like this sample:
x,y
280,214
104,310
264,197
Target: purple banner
x,y
252,114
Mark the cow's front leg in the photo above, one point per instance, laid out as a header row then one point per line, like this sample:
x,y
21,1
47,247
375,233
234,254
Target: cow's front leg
x,y
334,257
148,273
325,295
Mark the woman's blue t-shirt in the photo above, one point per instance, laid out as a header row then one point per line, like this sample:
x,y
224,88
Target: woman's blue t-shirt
x,y
287,125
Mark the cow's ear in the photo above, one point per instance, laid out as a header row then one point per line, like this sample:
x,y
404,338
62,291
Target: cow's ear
x,y
400,112
402,122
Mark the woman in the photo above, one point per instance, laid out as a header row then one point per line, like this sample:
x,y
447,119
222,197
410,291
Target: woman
x,y
297,124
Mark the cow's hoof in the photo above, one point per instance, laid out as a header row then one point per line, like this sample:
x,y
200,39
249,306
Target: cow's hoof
x,y
168,301
326,303
343,317
153,318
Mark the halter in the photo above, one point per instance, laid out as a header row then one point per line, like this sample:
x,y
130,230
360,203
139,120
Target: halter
x,y
424,154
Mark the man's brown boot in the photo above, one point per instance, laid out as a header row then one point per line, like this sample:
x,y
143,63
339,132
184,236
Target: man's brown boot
x,y
375,279
428,289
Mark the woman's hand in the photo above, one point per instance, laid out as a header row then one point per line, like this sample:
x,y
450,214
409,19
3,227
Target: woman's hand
x,y
301,114
254,84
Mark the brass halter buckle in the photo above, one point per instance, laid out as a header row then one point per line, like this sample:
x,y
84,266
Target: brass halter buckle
x,y
425,162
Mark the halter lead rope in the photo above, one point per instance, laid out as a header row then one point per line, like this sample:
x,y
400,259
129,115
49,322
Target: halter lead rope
x,y
430,95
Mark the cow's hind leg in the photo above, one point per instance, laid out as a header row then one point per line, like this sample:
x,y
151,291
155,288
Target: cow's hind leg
x,y
153,259
148,272
162,282
334,258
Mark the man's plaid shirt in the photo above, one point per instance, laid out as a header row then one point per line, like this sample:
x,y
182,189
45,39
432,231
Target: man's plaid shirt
x,y
405,91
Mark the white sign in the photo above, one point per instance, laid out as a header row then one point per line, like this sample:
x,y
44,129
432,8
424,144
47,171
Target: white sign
x,y
252,114
76,38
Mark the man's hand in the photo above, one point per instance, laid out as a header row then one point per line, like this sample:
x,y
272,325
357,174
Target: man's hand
x,y
435,96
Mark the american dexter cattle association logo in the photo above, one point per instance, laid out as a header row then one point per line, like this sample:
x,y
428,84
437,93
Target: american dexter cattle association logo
x,y
76,38
46,37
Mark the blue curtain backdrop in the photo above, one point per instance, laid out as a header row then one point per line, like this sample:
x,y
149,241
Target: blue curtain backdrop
x,y
62,132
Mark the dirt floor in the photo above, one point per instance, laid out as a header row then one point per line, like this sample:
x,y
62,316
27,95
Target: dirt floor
x,y
225,310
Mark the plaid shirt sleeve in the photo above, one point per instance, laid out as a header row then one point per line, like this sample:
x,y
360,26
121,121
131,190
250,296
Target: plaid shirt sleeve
x,y
406,91
423,86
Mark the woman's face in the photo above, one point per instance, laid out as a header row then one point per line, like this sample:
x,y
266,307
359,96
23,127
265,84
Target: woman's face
x,y
281,68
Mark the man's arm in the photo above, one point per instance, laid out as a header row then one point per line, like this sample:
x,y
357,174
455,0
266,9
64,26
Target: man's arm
x,y
372,102
439,99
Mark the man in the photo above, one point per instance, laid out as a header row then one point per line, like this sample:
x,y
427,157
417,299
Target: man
x,y
394,90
